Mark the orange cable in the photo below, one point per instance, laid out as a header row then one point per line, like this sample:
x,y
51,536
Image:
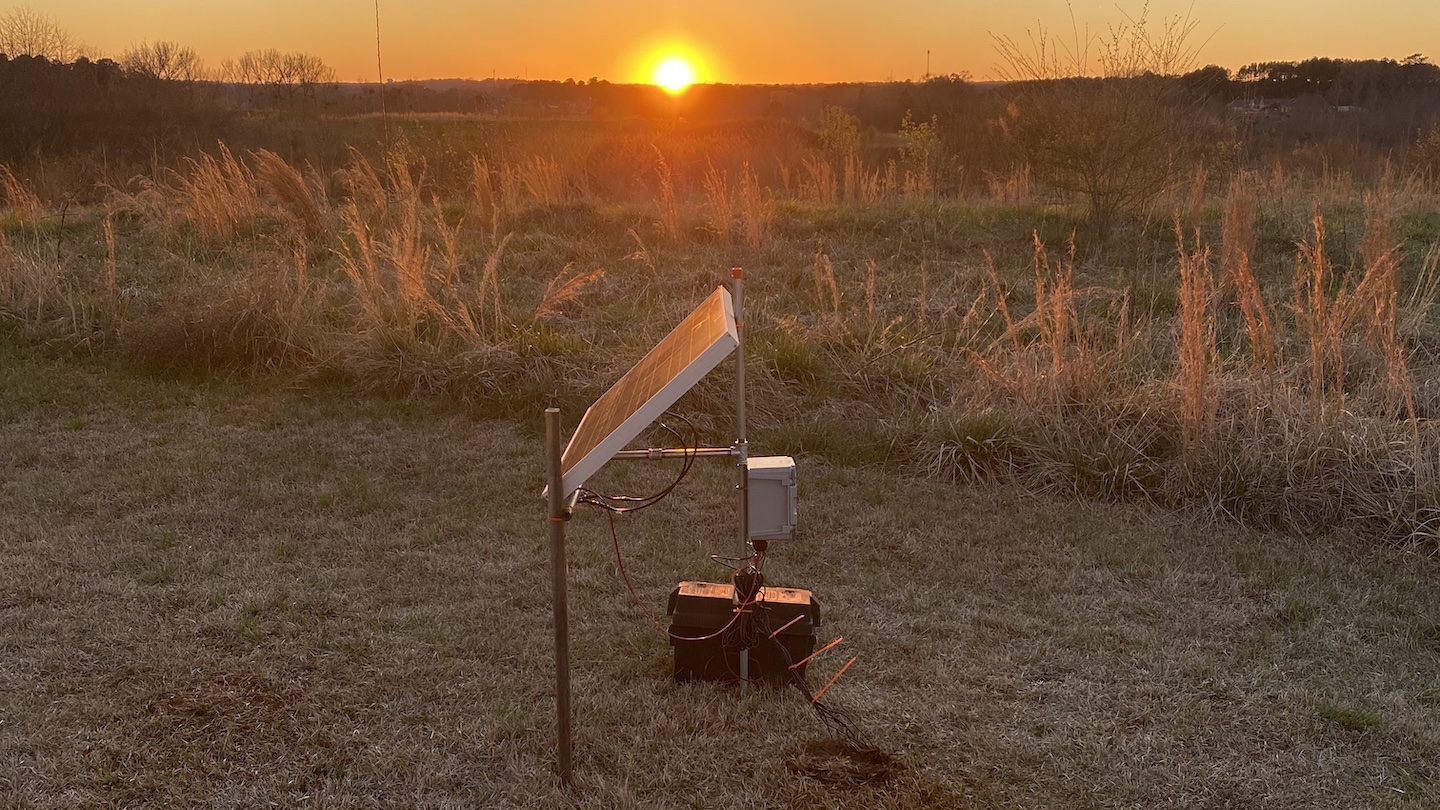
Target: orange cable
x,y
802,661
787,624
832,681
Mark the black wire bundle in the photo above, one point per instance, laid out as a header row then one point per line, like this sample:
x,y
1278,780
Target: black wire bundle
x,y
840,723
624,504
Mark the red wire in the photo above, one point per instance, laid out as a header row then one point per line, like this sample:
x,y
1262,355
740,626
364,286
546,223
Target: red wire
x,y
620,564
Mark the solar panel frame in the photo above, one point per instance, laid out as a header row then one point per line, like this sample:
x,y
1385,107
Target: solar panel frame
x,y
675,364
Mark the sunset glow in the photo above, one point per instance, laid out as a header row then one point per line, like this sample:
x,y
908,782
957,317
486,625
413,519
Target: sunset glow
x,y
675,74
744,42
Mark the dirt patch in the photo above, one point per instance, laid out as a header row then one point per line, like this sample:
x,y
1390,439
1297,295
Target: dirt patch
x,y
837,762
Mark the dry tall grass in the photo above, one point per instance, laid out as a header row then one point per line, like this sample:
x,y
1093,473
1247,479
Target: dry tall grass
x,y
719,205
1239,281
819,184
543,179
486,199
1195,364
753,213
303,198
1012,188
971,364
20,202
827,288
670,218
217,194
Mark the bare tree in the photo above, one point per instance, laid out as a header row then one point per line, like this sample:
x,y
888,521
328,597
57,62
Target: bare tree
x,y
1098,115
165,60
26,32
270,66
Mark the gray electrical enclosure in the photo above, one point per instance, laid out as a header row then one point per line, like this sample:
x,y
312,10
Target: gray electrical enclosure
x,y
774,507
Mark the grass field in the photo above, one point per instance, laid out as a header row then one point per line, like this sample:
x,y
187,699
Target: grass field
x,y
242,593
1262,346
1136,516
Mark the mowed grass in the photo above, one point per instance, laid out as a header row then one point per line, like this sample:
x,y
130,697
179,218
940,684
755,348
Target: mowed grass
x,y
231,595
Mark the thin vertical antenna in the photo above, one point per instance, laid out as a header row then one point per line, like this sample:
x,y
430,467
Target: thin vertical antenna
x,y
380,71
742,446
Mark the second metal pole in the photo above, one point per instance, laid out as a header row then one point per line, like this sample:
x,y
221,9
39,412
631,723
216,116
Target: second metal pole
x,y
742,461
557,518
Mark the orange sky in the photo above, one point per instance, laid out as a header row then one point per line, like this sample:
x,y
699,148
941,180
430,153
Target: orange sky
x,y
780,41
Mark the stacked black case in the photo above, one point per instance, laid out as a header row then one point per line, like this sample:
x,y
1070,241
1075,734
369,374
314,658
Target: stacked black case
x,y
700,611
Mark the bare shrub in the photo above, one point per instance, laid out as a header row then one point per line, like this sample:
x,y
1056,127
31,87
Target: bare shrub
x,y
1010,188
1095,116
164,60
922,154
24,31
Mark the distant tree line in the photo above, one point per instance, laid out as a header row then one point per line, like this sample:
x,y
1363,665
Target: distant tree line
x,y
1347,82
157,102
61,108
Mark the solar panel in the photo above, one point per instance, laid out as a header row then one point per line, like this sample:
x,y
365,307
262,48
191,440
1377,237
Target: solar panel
x,y
689,352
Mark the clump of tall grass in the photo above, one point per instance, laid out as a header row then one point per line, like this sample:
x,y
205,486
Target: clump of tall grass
x,y
27,282
1195,364
20,202
1069,399
1258,385
300,196
542,178
486,199
1239,280
670,217
405,269
827,288
753,213
819,183
217,194
563,290
269,321
1010,188
719,204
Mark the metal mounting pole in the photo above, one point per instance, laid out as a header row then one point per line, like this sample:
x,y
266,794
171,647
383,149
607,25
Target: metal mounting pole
x,y
742,447
556,518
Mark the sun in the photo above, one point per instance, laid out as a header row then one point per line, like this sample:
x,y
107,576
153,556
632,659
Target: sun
x,y
673,73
